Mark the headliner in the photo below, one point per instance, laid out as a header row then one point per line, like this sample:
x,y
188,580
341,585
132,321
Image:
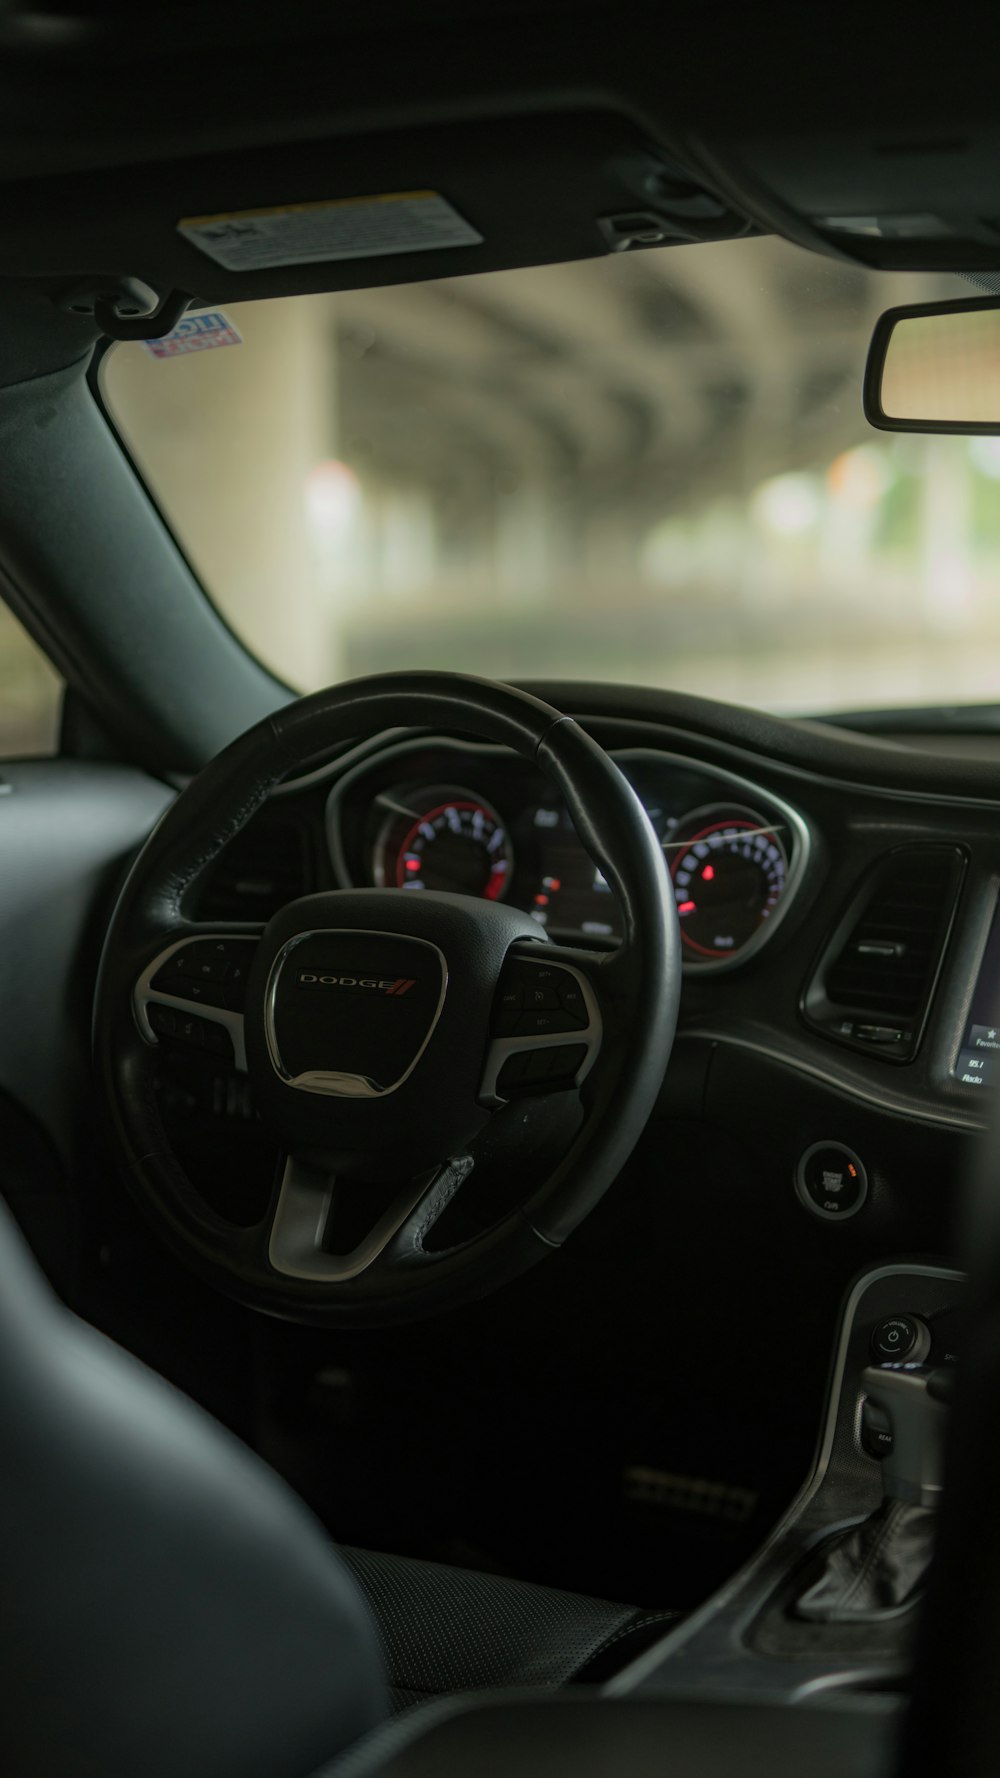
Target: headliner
x,y
529,113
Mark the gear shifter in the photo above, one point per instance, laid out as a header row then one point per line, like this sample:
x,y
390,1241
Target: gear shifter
x,y
878,1568
915,1397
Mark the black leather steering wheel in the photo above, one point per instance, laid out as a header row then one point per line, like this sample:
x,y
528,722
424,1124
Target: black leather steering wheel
x,y
389,1036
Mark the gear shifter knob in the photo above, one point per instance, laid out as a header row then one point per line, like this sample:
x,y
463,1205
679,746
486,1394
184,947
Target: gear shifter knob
x,y
918,1415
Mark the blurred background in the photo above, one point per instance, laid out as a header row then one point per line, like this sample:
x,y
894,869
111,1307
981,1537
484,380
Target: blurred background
x,y
651,467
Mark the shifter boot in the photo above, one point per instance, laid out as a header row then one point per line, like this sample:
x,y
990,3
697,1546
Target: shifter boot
x,y
874,1570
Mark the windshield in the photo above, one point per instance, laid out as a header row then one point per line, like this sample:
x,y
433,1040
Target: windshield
x,y
649,468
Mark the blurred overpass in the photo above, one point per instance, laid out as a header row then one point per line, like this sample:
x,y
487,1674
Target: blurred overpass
x,y
472,472
643,376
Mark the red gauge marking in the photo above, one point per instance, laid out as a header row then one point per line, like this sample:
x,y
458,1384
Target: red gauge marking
x,y
497,880
687,907
708,874
425,821
704,833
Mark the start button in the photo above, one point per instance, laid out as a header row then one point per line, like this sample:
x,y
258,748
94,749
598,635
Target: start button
x,y
831,1181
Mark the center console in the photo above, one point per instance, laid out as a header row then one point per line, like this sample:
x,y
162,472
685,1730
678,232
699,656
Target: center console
x,y
713,1695
779,1630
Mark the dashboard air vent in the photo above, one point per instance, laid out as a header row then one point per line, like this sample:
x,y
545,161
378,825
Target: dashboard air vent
x,y
873,986
261,870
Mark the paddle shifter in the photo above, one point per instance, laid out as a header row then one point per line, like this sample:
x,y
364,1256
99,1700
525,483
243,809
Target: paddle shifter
x,y
878,1568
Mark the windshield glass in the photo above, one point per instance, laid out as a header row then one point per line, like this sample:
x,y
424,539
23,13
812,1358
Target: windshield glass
x,y
650,468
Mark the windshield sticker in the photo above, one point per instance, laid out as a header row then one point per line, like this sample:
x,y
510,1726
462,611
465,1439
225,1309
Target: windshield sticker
x,y
196,333
344,228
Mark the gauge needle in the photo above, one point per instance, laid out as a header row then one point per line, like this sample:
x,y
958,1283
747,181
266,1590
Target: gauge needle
x,y
745,833
389,802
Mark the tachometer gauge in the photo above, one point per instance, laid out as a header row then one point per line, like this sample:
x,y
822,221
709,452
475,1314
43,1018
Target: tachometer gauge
x,y
443,838
729,871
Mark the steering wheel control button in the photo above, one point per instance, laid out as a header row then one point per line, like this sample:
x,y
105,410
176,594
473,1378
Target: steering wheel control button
x,y
234,988
206,961
165,1020
541,997
831,1181
187,1028
542,1070
571,999
901,1337
188,987
545,1024
538,1000
507,1011
209,972
564,1062
525,1071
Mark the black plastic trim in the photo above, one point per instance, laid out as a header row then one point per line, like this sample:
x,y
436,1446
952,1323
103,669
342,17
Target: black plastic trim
x,y
95,370
145,649
820,1013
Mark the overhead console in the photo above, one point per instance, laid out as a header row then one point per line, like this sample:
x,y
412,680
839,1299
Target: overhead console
x,y
908,198
873,156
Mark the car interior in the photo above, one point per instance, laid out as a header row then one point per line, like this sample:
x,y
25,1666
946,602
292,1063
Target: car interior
x,y
499,515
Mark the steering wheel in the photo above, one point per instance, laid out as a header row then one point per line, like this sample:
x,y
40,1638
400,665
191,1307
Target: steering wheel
x,y
389,1038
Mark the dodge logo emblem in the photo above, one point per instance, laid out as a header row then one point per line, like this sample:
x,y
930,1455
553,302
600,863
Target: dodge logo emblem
x,y
376,984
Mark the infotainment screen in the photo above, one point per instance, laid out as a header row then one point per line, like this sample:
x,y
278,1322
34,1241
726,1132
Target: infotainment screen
x,y
978,1062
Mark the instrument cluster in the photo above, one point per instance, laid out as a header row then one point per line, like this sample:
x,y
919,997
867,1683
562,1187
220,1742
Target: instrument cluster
x,y
476,820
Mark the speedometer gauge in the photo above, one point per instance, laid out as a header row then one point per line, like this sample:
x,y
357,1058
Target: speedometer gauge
x,y
729,871
443,838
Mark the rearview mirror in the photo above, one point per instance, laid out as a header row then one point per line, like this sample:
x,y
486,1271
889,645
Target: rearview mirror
x,y
935,367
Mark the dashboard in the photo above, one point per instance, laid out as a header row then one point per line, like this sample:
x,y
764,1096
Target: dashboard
x,y
452,815
845,995
853,1019
837,897
836,893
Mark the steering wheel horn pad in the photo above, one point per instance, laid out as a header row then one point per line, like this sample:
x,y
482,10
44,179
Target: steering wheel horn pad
x,y
367,1021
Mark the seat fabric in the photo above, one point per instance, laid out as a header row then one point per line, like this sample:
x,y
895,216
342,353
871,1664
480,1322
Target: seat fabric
x,y
445,1630
167,1603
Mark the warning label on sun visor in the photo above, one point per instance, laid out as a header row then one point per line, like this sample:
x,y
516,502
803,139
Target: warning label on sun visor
x,y
344,228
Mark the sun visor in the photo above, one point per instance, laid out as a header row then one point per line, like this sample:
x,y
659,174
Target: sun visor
x,y
347,213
